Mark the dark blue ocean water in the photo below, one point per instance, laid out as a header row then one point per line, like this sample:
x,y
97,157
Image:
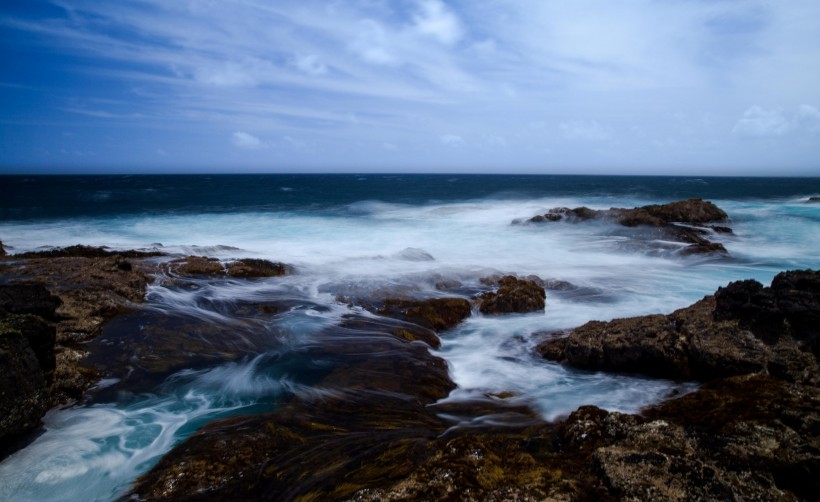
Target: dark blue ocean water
x,y
54,197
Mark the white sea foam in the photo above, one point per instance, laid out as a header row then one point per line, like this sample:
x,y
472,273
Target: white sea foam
x,y
93,453
373,246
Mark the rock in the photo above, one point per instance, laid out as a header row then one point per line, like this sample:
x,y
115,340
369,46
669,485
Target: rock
x,y
27,358
514,295
27,362
693,211
437,314
28,299
790,307
681,221
199,266
813,199
80,251
2,249
744,328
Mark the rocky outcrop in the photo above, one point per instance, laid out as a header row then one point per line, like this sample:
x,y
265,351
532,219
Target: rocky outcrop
x,y
2,249
682,221
744,328
813,199
201,266
750,437
513,295
27,359
90,290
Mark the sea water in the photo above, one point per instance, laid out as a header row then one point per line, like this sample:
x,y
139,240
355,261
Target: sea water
x,y
351,236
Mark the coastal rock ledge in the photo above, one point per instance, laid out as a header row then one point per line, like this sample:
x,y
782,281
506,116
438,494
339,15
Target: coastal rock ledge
x,y
743,328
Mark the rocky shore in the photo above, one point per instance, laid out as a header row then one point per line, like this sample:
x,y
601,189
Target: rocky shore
x,y
380,427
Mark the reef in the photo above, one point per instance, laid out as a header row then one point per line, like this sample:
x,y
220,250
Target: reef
x,y
690,222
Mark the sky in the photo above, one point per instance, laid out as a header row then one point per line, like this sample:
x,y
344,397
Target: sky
x,y
700,87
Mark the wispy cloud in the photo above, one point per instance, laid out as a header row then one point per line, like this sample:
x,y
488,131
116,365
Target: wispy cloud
x,y
419,69
245,141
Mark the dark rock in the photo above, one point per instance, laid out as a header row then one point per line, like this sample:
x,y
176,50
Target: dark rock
x,y
704,248
80,251
790,307
745,328
28,299
27,362
437,314
721,229
2,249
813,199
514,295
201,266
681,221
694,211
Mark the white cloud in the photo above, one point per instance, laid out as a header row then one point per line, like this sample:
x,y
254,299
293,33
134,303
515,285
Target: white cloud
x,y
584,130
371,44
245,141
760,122
436,20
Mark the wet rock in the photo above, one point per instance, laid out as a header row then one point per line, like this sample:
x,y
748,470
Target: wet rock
x,y
27,362
90,291
80,251
201,266
513,295
813,199
744,328
2,249
28,299
437,314
681,221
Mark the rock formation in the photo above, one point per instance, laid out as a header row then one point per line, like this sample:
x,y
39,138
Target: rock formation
x,y
513,295
682,221
744,328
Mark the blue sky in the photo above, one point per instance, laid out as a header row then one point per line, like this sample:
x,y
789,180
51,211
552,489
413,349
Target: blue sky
x,y
510,86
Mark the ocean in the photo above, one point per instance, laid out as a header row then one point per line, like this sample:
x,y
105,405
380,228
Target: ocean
x,y
350,236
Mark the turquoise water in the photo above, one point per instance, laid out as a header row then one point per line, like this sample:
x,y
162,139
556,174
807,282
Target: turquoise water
x,y
357,236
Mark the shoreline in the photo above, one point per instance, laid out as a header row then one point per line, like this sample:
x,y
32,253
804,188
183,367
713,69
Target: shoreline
x,y
611,454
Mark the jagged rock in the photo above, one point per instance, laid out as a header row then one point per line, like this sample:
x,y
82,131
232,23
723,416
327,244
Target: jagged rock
x,y
744,328
790,307
513,295
2,249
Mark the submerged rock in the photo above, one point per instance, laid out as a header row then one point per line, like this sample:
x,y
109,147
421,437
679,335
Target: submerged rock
x,y
513,295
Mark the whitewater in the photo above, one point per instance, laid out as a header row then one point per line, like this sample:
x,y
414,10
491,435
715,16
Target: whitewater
x,y
376,243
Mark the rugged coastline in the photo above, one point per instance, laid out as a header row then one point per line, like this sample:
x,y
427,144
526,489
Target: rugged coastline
x,y
380,428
